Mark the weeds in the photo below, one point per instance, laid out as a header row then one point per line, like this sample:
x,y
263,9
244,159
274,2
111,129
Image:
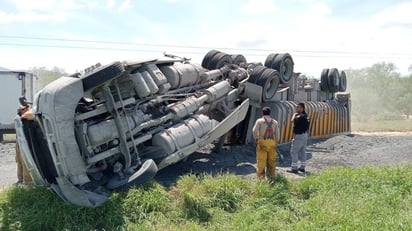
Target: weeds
x,y
338,199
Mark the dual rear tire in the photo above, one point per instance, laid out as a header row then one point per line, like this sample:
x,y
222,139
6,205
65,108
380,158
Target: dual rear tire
x,y
332,80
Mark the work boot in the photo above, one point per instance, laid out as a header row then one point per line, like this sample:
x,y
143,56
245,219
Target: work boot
x,y
301,169
260,176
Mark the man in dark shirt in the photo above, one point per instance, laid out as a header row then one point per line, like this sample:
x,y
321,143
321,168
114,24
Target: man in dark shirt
x,y
298,149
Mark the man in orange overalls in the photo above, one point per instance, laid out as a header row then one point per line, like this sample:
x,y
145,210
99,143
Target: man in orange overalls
x,y
266,133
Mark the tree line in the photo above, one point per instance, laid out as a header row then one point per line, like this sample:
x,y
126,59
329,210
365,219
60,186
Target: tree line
x,y
45,75
379,92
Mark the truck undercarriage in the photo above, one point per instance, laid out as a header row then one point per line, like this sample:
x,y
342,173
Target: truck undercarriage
x,y
116,125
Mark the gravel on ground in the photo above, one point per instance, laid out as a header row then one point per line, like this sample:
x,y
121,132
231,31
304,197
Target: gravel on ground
x,y
354,150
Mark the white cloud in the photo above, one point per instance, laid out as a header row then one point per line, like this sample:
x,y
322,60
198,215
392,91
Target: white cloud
x,y
368,40
329,41
140,40
73,59
29,5
308,1
239,33
92,4
35,11
111,3
47,5
183,1
70,5
314,29
126,4
258,7
399,15
6,18
316,11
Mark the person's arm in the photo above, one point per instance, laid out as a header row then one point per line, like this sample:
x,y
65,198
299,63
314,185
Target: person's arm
x,y
293,117
255,131
28,115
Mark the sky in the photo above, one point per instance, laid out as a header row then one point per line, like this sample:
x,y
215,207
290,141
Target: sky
x,y
75,34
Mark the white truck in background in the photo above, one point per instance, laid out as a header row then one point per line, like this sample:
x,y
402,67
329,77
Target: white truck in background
x,y
13,85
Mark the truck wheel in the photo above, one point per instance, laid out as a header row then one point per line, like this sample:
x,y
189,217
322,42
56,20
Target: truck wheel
x,y
324,80
219,60
342,81
208,57
256,73
145,173
238,59
333,80
270,59
269,81
102,74
283,63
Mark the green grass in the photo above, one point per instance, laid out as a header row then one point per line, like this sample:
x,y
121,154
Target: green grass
x,y
383,126
338,199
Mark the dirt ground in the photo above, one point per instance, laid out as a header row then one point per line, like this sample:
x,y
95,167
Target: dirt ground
x,y
353,150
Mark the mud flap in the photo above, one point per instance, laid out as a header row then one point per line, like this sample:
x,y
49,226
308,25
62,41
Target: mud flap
x,y
223,127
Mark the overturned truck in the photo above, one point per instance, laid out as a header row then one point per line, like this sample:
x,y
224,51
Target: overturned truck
x,y
115,126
